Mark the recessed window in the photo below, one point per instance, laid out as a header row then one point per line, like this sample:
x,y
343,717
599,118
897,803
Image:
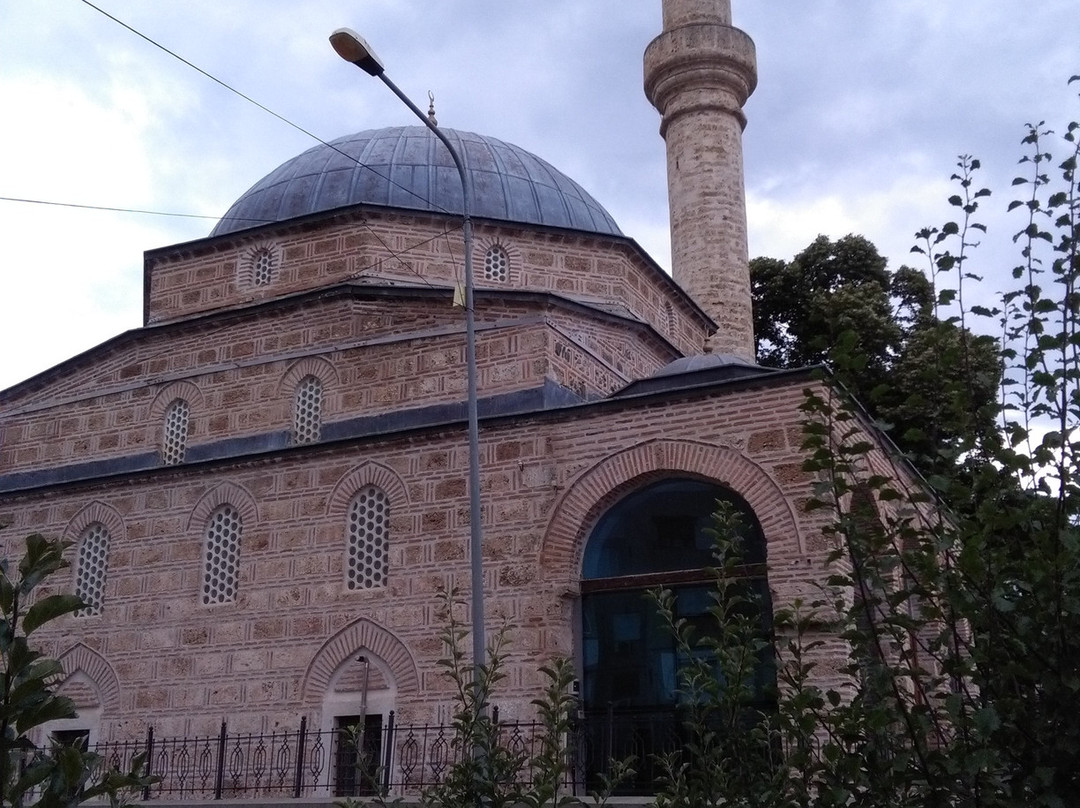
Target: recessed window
x,y
659,535
496,264
91,567
357,753
263,263
368,534
307,413
174,442
222,567
79,738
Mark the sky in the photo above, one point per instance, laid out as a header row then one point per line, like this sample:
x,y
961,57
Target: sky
x,y
860,113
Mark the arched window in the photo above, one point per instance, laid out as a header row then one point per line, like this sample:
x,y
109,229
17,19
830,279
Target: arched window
x,y
263,261
92,564
660,535
367,536
222,555
307,412
496,264
175,435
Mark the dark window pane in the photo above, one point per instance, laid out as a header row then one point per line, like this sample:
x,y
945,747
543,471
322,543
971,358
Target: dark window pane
x,y
357,755
630,661
664,527
71,737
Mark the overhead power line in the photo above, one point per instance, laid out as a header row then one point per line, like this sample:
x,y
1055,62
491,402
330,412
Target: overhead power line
x,y
119,210
283,119
195,67
263,107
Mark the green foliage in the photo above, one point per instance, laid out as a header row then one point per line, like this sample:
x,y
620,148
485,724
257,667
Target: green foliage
x,y
487,770
836,303
556,710
957,597
729,744
802,307
367,776
962,621
30,775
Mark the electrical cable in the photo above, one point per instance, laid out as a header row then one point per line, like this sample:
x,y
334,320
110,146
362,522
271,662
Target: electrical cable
x,y
285,120
124,210
263,107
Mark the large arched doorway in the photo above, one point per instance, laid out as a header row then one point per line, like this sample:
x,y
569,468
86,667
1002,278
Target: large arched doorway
x,y
658,535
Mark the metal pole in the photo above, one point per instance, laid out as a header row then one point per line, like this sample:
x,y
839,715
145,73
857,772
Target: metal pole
x,y
363,660
301,739
476,534
389,754
149,760
219,779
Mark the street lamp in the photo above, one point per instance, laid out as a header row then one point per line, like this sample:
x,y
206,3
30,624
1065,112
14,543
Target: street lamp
x,y
351,47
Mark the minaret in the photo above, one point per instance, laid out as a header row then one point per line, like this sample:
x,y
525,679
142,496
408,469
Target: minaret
x,y
698,74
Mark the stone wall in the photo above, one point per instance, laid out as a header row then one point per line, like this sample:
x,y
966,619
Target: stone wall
x,y
181,666
239,374
416,250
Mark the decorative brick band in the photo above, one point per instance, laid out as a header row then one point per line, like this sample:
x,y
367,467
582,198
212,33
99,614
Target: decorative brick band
x,y
596,489
96,511
360,636
80,658
172,391
364,475
226,493
315,366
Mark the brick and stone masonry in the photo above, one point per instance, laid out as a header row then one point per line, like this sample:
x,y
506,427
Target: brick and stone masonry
x,y
698,74
583,400
163,658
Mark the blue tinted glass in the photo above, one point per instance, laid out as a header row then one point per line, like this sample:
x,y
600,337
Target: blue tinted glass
x,y
664,527
629,657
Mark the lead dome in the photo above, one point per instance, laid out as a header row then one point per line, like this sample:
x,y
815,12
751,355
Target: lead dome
x,y
407,167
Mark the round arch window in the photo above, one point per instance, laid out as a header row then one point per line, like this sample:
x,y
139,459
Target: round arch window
x,y
661,535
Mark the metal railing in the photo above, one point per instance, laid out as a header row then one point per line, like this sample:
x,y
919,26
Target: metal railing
x,y
394,759
389,758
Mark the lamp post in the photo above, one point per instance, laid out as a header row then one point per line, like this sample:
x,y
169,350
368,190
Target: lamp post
x,y
351,47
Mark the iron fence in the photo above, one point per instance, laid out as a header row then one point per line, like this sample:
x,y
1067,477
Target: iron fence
x,y
389,758
393,759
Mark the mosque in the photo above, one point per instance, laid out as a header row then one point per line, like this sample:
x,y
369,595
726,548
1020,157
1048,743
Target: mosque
x,y
266,485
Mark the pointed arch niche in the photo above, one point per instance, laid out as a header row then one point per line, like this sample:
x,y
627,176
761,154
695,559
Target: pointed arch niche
x,y
367,540
335,678
355,679
91,683
91,562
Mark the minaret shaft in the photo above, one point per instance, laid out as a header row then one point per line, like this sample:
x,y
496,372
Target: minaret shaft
x,y
698,74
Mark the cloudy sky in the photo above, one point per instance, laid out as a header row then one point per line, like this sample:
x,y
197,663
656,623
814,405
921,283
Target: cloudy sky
x,y
861,109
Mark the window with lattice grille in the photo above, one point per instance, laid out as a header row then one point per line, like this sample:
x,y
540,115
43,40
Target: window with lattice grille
x,y
496,264
222,555
307,416
174,442
368,537
91,567
263,261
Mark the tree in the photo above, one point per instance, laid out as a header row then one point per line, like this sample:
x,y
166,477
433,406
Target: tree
x,y
54,776
961,623
838,301
802,307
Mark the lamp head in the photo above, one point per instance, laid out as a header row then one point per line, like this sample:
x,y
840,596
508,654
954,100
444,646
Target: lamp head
x,y
352,47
